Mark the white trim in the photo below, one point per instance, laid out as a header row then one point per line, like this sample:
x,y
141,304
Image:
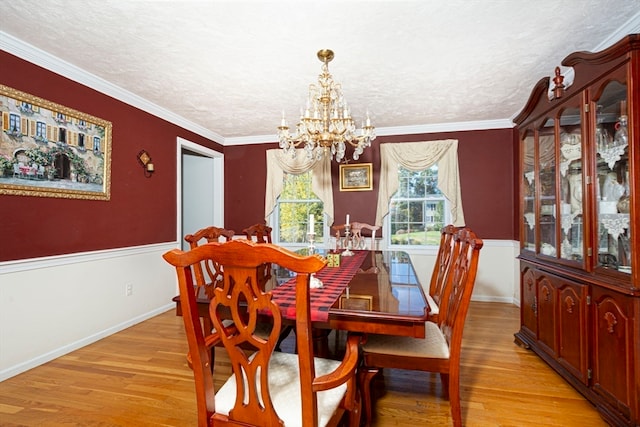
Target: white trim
x,y
433,250
29,264
44,59
39,57
630,27
218,181
61,351
395,130
484,298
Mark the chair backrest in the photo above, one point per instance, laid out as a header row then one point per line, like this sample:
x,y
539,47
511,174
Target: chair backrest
x,y
241,296
208,235
356,233
444,259
460,283
261,232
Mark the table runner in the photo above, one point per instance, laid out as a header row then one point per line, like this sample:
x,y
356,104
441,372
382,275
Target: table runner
x,y
334,281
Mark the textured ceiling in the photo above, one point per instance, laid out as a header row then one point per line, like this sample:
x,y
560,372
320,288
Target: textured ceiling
x,y
233,67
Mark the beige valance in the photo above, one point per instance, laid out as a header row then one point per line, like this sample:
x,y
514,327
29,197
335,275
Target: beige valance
x,y
278,163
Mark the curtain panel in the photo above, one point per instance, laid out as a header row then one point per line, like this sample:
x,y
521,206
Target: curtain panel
x,y
278,163
418,156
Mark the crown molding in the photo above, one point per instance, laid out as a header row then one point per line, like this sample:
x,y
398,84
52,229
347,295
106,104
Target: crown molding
x,y
41,58
630,27
44,59
396,130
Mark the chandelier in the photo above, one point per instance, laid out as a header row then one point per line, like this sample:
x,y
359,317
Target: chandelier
x,y
325,125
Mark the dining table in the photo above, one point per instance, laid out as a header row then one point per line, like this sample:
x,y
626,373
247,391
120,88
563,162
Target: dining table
x,y
366,292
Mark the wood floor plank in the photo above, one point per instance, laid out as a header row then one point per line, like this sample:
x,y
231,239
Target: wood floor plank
x,y
139,377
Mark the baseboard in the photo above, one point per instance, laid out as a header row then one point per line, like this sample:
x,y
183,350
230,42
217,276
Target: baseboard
x,y
37,361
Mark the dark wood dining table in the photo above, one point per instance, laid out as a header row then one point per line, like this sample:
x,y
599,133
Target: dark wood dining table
x,y
381,295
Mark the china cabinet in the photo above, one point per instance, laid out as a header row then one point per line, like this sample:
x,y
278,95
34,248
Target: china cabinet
x,y
580,226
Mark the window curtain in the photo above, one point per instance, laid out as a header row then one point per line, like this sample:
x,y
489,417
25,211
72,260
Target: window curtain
x,y
278,163
417,156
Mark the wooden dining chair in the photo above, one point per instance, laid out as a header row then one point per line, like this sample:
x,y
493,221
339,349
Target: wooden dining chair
x,y
443,262
261,233
440,350
204,285
266,388
214,273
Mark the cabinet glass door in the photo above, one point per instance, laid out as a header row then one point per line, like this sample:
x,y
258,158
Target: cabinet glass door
x,y
547,188
528,192
570,207
612,169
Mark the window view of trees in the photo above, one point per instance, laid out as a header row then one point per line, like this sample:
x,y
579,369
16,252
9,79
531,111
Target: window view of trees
x,y
295,204
418,210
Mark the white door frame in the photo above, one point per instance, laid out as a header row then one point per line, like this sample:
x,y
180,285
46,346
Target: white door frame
x,y
218,183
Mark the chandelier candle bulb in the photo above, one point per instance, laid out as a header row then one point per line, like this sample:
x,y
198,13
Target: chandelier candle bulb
x,y
311,223
347,219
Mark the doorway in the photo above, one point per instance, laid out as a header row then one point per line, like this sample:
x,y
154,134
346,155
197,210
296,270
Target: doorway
x,y
200,185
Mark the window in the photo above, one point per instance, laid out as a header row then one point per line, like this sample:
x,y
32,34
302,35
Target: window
x,y
419,192
41,130
294,206
14,123
418,210
62,135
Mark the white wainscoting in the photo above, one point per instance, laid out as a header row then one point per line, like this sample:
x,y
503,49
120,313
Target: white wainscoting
x,y
498,274
52,306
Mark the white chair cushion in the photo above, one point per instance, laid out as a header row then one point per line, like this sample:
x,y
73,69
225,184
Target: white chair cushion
x,y
434,345
284,385
433,307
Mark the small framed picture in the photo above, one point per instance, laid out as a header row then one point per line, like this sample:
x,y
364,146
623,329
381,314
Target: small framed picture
x,y
356,177
356,302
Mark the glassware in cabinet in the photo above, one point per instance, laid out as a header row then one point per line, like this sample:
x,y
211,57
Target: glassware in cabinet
x,y
612,170
570,207
528,192
546,185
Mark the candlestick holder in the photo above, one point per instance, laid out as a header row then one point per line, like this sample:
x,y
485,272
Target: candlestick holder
x,y
347,238
311,238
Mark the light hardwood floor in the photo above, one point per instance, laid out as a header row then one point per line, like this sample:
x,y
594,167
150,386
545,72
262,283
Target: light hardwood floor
x,y
139,377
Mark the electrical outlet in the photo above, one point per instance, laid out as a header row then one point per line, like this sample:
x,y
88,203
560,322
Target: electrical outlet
x,y
129,290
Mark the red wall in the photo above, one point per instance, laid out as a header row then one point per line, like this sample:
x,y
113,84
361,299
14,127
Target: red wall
x,y
486,162
141,210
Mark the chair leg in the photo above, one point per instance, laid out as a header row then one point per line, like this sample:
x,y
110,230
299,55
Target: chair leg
x,y
444,379
355,414
454,398
283,335
365,375
207,327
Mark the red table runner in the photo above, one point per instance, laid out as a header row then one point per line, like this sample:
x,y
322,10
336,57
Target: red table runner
x,y
334,280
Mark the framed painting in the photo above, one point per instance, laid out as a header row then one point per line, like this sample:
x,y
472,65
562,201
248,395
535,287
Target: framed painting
x,y
356,177
48,150
356,302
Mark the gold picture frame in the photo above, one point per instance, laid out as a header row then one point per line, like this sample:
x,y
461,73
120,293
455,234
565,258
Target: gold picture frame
x,y
356,302
48,150
357,177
